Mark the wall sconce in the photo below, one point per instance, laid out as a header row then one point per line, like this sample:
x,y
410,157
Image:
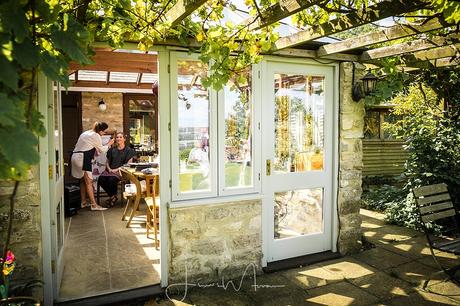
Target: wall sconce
x,y
102,105
359,91
369,82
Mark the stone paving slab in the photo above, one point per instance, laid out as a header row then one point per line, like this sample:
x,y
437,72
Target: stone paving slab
x,y
381,258
348,267
383,286
312,276
392,273
339,294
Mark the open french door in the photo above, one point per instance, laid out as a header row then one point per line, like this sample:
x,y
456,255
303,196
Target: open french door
x,y
298,158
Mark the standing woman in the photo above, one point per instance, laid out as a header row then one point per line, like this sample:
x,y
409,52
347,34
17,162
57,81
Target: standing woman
x,y
87,144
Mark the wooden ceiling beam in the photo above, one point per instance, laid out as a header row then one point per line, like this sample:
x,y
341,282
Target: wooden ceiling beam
x,y
382,35
411,46
277,12
102,84
348,21
120,62
180,10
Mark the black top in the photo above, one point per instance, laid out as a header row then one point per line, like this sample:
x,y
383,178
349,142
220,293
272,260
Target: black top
x,y
118,158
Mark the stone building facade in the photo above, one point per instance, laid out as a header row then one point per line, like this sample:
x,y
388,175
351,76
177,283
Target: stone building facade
x,y
26,234
351,117
211,240
91,113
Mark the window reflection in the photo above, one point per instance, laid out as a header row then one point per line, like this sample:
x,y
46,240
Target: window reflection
x,y
299,122
238,131
193,121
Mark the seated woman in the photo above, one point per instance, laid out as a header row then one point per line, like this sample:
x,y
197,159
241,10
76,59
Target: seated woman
x,y
116,157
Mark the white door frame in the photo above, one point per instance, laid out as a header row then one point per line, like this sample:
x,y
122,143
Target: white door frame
x,y
46,197
267,217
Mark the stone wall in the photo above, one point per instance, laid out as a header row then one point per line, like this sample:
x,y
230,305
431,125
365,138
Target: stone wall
x,y
113,115
350,162
26,237
214,241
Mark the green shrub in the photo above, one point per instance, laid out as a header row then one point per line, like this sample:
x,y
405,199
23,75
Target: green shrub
x,y
381,198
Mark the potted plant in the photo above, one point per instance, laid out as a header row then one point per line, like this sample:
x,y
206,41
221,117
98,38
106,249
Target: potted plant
x,y
14,295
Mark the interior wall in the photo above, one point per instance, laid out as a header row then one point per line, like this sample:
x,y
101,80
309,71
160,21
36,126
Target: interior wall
x,y
91,113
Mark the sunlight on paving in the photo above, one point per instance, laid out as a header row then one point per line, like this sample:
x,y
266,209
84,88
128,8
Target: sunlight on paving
x,y
370,234
349,269
395,290
152,253
370,225
332,299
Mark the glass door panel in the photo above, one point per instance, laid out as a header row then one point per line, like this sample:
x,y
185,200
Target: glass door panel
x,y
298,213
299,122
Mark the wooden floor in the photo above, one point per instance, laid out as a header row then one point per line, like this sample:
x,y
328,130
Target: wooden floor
x,y
101,255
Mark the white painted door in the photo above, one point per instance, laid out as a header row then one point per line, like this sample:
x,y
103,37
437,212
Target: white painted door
x,y
298,154
56,172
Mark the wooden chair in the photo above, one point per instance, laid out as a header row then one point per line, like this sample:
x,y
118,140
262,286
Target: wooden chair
x,y
153,209
435,206
133,199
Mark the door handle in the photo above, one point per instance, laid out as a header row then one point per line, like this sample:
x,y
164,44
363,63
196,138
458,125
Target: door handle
x,y
268,164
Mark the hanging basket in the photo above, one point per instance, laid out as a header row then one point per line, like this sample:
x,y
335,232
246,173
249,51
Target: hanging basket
x,y
20,301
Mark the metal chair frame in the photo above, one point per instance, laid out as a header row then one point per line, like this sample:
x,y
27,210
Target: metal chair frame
x,y
434,204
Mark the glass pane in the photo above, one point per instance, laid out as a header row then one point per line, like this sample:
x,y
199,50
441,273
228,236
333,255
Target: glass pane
x,y
298,212
238,131
299,123
57,130
372,125
60,239
193,119
143,125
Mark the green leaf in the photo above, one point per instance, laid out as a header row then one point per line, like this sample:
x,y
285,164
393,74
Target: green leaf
x,y
25,144
10,110
8,73
55,68
3,292
26,54
14,19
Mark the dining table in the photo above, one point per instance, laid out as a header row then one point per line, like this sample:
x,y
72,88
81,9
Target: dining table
x,y
142,175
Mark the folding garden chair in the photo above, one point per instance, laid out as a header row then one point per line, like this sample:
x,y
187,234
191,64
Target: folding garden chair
x,y
435,206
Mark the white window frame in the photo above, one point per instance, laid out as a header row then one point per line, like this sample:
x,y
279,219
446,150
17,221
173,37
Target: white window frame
x,y
255,140
212,192
216,138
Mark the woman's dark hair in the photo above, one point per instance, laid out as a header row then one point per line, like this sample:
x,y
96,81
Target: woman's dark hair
x,y
100,126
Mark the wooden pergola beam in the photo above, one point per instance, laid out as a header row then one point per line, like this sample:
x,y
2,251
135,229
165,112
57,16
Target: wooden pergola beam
x,y
410,46
277,12
439,62
180,10
388,34
348,21
435,53
291,52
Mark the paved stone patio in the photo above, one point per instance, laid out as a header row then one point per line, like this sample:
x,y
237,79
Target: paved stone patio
x,y
102,255
391,273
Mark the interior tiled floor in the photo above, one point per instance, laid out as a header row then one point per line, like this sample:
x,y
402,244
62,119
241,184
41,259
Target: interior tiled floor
x,y
102,255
